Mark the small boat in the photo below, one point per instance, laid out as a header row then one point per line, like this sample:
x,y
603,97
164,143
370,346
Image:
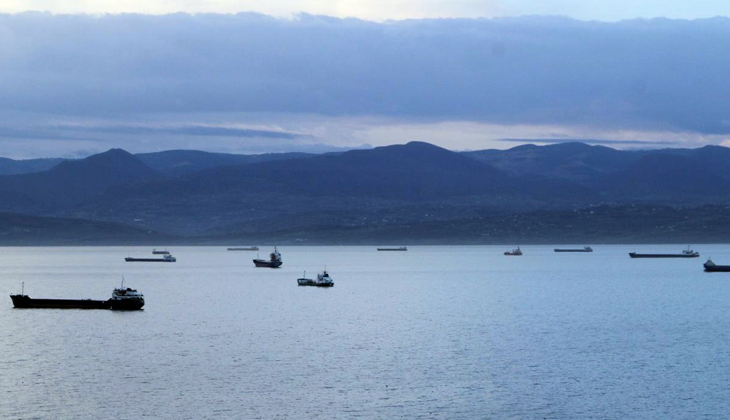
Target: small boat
x,y
517,251
711,267
400,248
273,262
687,253
584,249
122,299
163,252
244,248
323,280
165,258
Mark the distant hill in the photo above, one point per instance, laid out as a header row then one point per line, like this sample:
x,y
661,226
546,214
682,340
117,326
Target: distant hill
x,y
416,191
666,177
73,181
16,167
576,162
183,162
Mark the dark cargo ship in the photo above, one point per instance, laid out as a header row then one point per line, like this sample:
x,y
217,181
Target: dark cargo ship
x,y
687,253
711,267
165,258
584,249
122,300
273,262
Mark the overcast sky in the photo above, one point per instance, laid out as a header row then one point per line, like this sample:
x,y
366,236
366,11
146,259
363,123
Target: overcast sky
x,y
72,85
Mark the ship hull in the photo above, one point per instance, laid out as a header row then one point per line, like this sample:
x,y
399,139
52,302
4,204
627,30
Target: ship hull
x,y
717,268
635,255
129,259
267,264
126,305
572,250
22,301
310,282
392,249
243,249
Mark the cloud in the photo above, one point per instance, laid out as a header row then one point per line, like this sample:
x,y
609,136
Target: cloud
x,y
641,76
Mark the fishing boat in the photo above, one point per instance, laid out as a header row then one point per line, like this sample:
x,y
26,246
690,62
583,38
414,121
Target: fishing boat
x,y
274,260
122,299
165,258
244,248
584,249
323,280
687,253
711,267
400,248
517,252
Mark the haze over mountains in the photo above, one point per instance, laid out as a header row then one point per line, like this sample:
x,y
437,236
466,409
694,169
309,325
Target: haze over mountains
x,y
412,193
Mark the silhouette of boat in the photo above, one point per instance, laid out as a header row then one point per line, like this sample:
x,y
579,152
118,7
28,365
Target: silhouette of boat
x,y
400,248
687,253
584,249
516,252
244,248
274,260
163,252
711,267
323,280
124,299
165,258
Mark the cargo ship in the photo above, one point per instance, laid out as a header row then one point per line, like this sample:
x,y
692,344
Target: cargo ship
x,y
584,249
123,299
687,253
244,248
274,260
165,258
323,280
400,248
161,252
516,252
711,267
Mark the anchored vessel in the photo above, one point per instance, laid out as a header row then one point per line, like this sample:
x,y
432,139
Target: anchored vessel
x,y
400,248
273,262
244,248
584,249
687,253
711,267
165,258
517,251
163,252
323,280
124,299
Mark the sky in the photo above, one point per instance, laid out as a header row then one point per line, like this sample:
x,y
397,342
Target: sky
x,y
78,78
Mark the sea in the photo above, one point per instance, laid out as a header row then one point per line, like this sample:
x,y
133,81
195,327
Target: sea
x,y
437,332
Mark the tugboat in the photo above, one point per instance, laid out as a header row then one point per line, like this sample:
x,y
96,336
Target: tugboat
x,y
711,267
273,262
122,299
687,253
165,258
163,252
584,249
515,251
323,280
244,248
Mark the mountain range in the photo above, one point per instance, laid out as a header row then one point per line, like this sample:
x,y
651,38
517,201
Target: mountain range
x,y
415,192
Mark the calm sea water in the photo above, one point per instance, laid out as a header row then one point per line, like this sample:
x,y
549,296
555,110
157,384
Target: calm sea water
x,y
435,332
